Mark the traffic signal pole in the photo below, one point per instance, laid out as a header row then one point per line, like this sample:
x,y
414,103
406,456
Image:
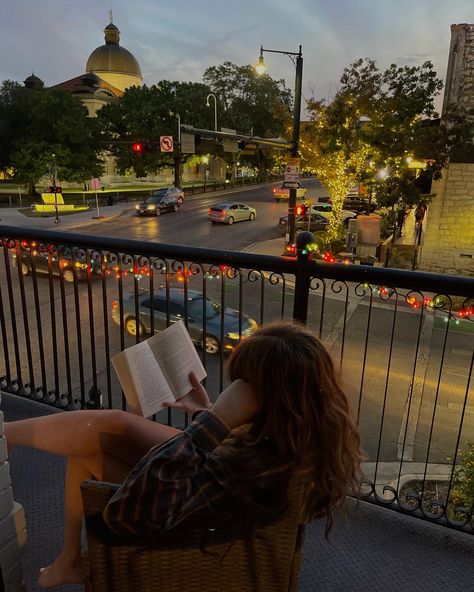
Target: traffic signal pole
x,y
295,142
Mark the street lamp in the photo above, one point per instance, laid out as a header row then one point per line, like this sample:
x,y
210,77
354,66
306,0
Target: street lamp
x,y
177,158
260,67
215,108
54,174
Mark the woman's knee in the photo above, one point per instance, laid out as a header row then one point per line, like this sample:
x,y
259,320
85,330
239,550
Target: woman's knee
x,y
112,421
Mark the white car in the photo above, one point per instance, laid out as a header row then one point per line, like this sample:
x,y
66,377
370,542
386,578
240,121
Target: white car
x,y
283,192
325,210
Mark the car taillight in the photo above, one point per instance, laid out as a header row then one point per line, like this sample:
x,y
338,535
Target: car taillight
x,y
274,190
115,304
209,210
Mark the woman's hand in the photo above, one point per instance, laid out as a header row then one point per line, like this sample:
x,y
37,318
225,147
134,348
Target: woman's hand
x,y
195,400
237,404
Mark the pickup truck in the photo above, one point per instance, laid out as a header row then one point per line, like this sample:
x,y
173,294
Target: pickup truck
x,y
283,192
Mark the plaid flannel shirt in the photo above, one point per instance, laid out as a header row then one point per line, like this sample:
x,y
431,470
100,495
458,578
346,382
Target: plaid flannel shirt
x,y
172,482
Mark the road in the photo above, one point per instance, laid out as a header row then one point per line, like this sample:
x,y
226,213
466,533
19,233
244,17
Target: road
x,y
401,385
190,226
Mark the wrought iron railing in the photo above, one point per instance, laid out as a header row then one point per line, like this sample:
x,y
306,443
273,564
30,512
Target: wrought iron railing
x,y
404,341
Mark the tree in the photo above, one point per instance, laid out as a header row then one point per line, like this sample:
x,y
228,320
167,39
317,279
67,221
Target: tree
x,y
146,113
248,101
251,104
336,149
378,120
36,124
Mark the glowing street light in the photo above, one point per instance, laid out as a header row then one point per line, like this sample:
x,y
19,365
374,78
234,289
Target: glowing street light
x,y
215,108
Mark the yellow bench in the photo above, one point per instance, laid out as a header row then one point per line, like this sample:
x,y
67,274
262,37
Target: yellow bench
x,y
49,204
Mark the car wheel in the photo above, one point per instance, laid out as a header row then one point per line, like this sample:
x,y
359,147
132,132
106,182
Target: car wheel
x,y
277,199
157,212
131,327
180,201
252,216
230,220
212,345
68,275
24,269
175,208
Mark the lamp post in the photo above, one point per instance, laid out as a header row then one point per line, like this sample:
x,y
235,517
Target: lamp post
x,y
297,59
215,108
54,174
177,158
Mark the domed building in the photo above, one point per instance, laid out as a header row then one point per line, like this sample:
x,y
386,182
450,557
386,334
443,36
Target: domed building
x,y
110,69
113,63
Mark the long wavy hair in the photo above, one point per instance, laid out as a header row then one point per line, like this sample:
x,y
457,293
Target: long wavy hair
x,y
304,429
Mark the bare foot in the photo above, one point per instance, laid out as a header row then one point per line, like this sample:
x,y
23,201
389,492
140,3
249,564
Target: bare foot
x,y
61,572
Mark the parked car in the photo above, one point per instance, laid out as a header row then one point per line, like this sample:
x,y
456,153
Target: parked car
x,y
170,192
325,210
157,205
228,213
360,206
283,192
40,261
317,222
194,314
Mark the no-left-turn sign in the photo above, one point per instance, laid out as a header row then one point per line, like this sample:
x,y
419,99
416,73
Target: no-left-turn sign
x,y
166,143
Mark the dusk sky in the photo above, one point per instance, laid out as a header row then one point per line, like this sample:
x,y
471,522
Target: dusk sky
x,y
178,40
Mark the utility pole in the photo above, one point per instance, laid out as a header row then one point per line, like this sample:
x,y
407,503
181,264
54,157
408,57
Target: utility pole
x,y
54,174
297,59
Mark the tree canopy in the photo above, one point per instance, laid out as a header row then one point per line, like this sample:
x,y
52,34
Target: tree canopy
x,y
377,121
35,124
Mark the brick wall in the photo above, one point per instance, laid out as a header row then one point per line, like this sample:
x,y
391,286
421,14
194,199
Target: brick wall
x,y
448,245
12,525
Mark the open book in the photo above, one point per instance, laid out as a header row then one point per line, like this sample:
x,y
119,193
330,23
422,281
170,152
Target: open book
x,y
157,370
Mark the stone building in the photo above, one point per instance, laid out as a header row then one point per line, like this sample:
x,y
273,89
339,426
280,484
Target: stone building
x,y
448,244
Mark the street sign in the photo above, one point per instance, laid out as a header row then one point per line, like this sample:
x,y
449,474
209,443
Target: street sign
x,y
292,179
293,161
95,184
229,144
166,143
292,169
188,145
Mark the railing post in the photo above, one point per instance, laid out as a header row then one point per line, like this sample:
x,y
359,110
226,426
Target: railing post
x,y
302,277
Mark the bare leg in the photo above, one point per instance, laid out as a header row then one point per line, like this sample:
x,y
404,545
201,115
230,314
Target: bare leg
x,y
105,444
67,567
83,433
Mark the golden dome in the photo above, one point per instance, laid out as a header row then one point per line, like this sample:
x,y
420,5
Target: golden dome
x,y
111,57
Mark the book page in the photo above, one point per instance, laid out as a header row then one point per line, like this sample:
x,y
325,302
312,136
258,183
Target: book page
x,y
177,356
142,380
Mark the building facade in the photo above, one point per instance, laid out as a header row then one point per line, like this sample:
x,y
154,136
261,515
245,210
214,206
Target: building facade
x,y
448,244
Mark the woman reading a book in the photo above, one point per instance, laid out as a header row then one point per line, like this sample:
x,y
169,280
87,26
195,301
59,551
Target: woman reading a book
x,y
283,417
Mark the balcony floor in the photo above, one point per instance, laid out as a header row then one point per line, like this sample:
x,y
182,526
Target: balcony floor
x,y
373,549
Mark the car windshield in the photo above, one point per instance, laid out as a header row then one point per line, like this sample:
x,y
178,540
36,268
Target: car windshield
x,y
221,206
160,193
154,199
195,308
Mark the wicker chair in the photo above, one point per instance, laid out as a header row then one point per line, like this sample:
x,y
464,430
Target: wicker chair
x,y
191,559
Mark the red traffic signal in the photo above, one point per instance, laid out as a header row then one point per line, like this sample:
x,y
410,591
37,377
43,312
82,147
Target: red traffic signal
x,y
138,148
301,210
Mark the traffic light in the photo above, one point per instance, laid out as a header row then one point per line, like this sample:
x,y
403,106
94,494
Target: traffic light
x,y
141,147
301,210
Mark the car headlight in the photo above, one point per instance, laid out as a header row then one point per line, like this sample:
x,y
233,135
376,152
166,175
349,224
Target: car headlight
x,y
234,336
137,207
151,207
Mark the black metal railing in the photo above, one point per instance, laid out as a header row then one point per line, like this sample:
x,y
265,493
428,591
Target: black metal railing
x,y
404,341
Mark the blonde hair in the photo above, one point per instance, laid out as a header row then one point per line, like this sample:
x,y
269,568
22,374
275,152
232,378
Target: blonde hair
x,y
304,428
